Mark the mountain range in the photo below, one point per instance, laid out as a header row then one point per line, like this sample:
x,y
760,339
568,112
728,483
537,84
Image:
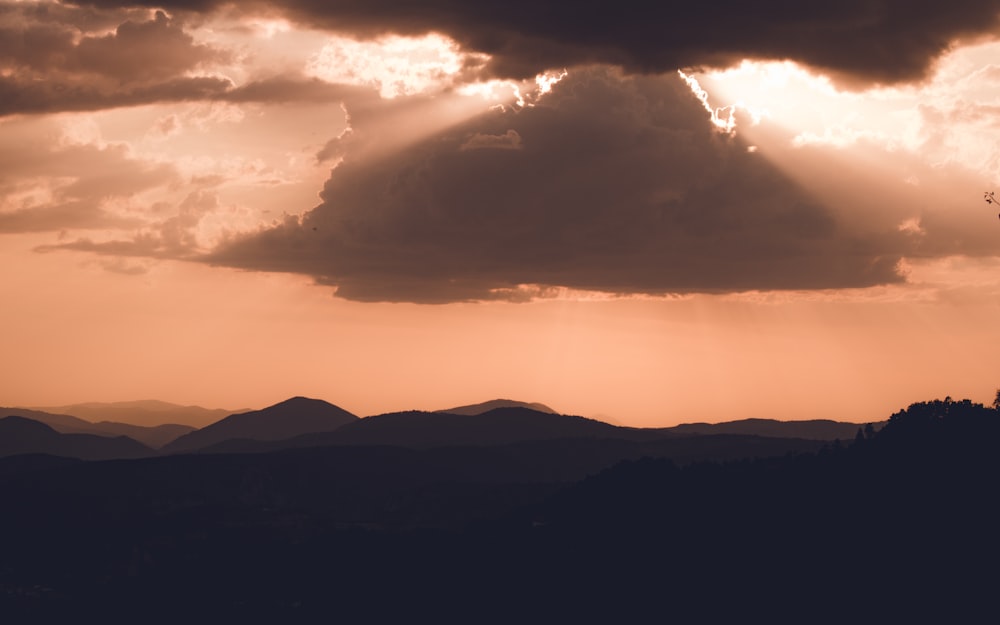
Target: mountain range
x,y
154,436
290,418
301,422
147,412
553,510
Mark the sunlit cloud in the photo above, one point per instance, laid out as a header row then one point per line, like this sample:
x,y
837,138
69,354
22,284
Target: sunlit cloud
x,y
723,118
952,118
394,65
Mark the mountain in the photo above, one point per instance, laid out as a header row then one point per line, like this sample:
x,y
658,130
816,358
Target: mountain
x,y
152,436
147,412
486,406
25,436
815,429
505,426
499,426
290,418
64,423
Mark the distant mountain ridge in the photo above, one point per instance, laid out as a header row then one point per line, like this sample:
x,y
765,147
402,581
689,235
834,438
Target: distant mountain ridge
x,y
153,436
303,422
146,412
287,419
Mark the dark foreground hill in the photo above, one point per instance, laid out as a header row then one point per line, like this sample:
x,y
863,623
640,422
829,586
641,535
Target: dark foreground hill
x,y
25,436
897,525
292,417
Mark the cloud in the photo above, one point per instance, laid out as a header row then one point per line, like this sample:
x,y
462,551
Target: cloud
x,y
107,53
509,140
620,185
72,214
859,40
136,52
74,186
172,238
51,66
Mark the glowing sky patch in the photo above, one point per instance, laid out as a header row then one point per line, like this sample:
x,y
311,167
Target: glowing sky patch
x,y
394,65
950,119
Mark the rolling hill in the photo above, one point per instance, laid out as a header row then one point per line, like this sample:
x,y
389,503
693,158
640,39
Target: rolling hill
x,y
25,436
148,412
290,418
155,436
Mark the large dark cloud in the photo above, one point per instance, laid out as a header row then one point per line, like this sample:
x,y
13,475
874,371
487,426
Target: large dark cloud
x,y
61,57
862,40
609,183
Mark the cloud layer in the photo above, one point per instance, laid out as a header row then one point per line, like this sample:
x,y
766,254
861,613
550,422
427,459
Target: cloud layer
x,y
610,183
106,53
865,40
616,181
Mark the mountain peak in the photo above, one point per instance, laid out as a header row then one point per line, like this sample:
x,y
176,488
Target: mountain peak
x,y
292,417
493,404
300,401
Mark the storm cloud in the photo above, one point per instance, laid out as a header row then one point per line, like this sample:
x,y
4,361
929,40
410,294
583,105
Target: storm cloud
x,y
104,54
617,184
867,41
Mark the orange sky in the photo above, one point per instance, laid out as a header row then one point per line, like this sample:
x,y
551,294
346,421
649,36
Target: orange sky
x,y
587,238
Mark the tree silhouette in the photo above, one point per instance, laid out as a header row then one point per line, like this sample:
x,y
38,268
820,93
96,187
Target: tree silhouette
x,y
990,197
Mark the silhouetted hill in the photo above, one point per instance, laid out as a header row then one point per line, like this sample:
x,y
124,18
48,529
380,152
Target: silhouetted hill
x,y
499,426
151,436
287,419
148,412
504,426
486,406
895,525
65,423
905,512
24,436
815,429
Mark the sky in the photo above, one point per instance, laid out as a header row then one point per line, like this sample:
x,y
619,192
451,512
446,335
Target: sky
x,y
649,214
